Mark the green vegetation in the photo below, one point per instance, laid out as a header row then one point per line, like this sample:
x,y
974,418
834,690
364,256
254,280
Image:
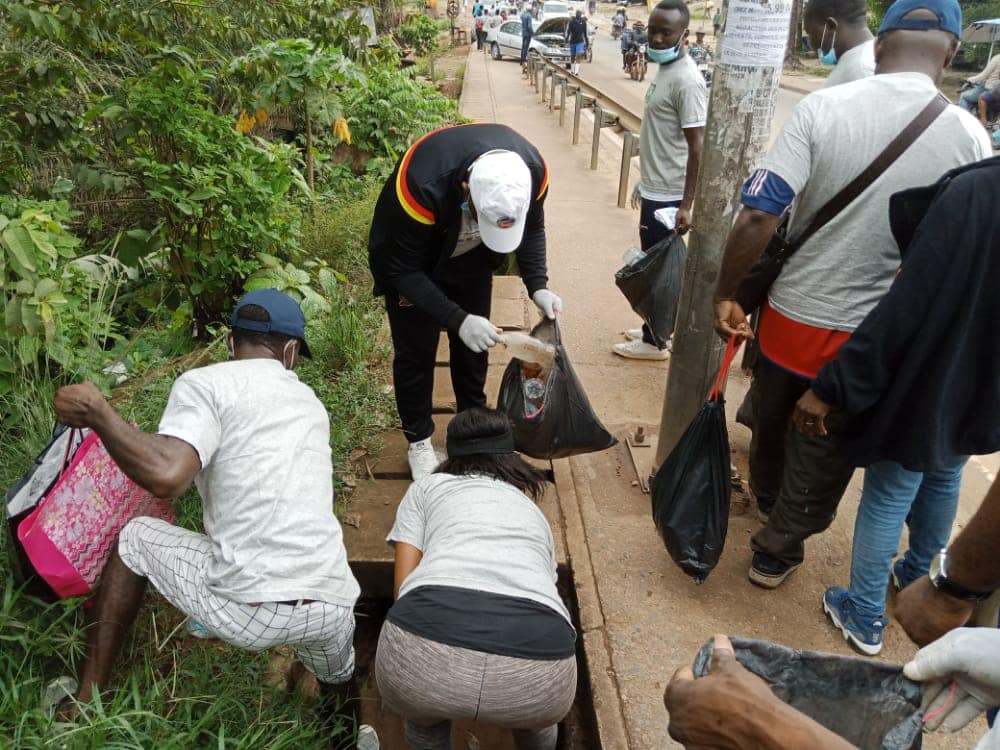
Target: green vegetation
x,y
156,159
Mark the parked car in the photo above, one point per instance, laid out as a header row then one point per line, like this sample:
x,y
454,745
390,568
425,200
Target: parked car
x,y
548,41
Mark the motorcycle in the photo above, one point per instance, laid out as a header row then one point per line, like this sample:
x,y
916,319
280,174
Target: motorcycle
x,y
705,68
992,114
637,63
616,31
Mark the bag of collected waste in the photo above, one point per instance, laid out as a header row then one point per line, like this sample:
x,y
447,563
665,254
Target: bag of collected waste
x,y
690,492
652,285
869,703
547,407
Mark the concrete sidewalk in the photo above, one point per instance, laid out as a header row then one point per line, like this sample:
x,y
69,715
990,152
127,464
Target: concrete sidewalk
x,y
640,616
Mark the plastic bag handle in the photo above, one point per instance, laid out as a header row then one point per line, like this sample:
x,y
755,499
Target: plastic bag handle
x,y
556,336
732,346
69,447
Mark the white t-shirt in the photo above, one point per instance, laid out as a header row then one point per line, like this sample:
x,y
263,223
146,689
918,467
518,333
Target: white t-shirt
x,y
675,100
857,63
478,533
266,482
842,272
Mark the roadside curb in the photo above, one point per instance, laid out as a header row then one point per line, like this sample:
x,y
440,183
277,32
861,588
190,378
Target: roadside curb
x,y
605,692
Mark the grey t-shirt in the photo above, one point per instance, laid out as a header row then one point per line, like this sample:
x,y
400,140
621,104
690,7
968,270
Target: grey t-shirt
x,y
676,99
478,533
842,272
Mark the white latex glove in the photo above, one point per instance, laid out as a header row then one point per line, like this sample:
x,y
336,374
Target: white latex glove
x,y
971,658
636,200
478,333
548,302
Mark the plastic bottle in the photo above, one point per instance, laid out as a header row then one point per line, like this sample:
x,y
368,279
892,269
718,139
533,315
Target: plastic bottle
x,y
632,255
534,389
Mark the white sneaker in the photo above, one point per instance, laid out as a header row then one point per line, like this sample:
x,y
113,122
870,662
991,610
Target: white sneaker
x,y
367,738
633,334
640,350
422,457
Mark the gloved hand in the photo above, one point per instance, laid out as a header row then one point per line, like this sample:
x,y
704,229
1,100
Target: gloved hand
x,y
548,302
636,199
478,333
967,657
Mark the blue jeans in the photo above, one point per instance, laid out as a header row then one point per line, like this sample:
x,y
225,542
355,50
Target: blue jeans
x,y
525,46
892,493
652,231
969,99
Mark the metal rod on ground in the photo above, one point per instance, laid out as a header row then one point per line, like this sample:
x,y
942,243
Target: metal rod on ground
x,y
744,90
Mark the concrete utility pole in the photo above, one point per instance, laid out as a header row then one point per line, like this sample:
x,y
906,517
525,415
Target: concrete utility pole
x,y
744,90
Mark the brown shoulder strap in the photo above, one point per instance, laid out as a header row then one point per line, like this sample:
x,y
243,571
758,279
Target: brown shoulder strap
x,y
882,162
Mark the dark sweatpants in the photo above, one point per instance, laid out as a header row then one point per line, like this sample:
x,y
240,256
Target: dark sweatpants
x,y
804,473
415,338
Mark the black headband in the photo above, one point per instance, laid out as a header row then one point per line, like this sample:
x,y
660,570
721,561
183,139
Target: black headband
x,y
503,443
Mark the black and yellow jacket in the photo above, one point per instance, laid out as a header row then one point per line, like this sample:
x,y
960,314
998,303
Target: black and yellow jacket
x,y
419,213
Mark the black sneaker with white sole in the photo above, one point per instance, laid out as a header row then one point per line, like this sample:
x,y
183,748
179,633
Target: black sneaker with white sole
x,y
769,573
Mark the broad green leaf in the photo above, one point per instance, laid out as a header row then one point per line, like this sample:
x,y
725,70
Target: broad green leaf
x,y
30,319
202,193
12,316
25,287
18,242
45,287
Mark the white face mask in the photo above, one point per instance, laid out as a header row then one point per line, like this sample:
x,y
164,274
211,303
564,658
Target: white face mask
x,y
284,353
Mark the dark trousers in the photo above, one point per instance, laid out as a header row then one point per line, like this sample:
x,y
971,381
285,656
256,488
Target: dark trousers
x,y
652,231
804,475
415,338
525,44
480,38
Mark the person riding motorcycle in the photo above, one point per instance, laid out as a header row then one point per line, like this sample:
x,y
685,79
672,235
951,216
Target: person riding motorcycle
x,y
618,23
631,42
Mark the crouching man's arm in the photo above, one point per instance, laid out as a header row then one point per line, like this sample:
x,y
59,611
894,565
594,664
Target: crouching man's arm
x,y
164,465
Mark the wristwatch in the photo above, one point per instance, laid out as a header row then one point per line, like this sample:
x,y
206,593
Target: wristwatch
x,y
939,579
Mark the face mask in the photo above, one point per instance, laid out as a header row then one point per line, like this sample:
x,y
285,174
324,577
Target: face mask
x,y
830,56
284,353
664,56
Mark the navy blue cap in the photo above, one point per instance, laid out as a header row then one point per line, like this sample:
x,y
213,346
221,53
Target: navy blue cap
x,y
285,316
949,16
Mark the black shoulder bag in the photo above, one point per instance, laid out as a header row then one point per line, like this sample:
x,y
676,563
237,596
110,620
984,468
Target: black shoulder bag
x,y
753,289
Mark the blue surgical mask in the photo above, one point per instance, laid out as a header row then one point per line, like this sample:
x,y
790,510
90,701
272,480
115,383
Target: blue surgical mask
x,y
830,56
664,56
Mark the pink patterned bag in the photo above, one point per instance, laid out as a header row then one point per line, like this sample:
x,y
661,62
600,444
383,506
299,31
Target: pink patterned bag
x,y
69,536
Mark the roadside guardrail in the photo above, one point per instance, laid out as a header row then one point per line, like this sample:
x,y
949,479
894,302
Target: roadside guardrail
x,y
607,113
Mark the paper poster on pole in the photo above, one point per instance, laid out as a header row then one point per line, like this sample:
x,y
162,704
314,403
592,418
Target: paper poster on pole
x,y
755,33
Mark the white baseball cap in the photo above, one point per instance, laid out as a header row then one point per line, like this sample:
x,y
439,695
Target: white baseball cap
x,y
500,190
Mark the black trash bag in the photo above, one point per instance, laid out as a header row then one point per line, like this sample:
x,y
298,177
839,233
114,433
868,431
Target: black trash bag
x,y
867,702
564,424
652,285
691,490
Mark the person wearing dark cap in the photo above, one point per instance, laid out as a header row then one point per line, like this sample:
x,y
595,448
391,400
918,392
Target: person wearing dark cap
x,y
460,200
271,567
478,630
827,287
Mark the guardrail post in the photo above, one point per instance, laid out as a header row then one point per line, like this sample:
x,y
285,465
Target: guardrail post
x,y
546,72
630,148
601,120
582,100
567,89
556,77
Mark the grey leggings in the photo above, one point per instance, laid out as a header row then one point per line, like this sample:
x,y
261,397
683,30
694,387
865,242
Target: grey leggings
x,y
430,684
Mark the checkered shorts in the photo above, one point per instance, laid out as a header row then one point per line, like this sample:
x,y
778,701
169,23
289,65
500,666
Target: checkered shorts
x,y
174,561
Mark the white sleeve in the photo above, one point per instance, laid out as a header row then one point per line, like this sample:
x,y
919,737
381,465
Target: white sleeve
x,y
410,519
191,415
791,155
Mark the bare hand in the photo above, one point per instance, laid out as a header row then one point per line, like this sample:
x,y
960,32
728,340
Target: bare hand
x,y
709,712
730,319
636,200
683,221
927,613
810,413
79,405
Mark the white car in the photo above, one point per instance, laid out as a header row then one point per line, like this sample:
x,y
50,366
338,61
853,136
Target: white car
x,y
553,9
548,40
